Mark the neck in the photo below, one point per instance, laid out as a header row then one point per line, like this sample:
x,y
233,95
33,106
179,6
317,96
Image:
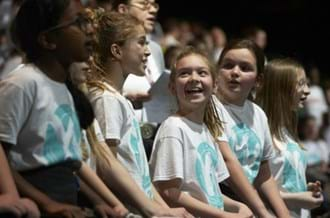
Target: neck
x,y
196,115
115,75
52,68
230,100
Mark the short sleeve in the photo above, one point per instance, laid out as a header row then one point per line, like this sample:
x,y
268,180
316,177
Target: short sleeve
x,y
268,151
167,161
15,109
109,113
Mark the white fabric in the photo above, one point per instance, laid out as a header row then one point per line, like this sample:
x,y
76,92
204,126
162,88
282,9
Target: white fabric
x,y
317,151
38,118
248,134
288,167
116,117
316,105
186,150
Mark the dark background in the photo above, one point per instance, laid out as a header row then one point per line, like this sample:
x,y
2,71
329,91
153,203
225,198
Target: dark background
x,y
295,28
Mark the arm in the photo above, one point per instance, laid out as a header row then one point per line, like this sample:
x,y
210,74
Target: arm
x,y
237,207
301,200
240,183
45,203
268,187
119,179
94,182
9,198
99,204
172,194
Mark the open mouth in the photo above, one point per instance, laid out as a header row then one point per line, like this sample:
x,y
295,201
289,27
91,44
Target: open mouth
x,y
195,90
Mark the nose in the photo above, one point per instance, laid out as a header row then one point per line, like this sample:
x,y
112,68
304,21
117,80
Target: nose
x,y
235,71
306,90
147,51
194,76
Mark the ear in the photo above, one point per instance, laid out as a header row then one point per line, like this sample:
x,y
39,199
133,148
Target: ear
x,y
116,51
215,86
122,8
45,42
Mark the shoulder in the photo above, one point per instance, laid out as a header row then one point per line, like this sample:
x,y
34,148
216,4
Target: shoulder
x,y
258,111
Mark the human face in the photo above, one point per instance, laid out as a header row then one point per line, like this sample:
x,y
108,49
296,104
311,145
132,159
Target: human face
x,y
71,39
193,83
135,53
301,90
145,11
237,76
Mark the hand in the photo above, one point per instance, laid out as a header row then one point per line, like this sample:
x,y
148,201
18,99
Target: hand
x,y
139,97
12,204
308,201
120,211
32,210
244,211
104,211
315,188
56,209
172,212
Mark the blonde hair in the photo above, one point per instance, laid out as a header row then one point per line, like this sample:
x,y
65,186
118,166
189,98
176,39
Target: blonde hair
x,y
111,28
277,94
211,117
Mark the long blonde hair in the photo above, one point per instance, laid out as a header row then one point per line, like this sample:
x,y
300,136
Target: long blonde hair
x,y
211,117
111,28
277,94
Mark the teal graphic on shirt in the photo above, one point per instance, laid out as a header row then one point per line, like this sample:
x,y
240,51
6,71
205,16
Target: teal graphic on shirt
x,y
205,167
245,143
294,179
136,144
63,139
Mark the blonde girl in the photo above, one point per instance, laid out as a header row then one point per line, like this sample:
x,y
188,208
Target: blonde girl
x,y
283,92
186,164
121,48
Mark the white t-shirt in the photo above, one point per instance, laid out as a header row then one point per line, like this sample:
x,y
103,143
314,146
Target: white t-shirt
x,y
316,151
115,115
288,167
38,118
248,134
186,150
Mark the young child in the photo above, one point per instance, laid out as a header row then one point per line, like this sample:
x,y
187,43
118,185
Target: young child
x,y
122,49
285,83
240,67
39,126
186,164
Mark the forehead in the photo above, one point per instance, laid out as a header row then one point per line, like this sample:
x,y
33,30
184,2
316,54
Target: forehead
x,y
242,55
192,61
301,74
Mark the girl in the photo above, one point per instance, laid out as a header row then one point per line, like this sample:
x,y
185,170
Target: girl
x,y
122,48
39,126
240,66
285,83
185,163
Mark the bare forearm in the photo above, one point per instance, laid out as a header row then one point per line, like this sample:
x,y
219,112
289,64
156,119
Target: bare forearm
x,y
268,187
158,199
240,184
93,181
194,206
7,184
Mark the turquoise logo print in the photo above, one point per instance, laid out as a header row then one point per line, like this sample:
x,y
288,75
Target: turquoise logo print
x,y
248,149
294,169
64,135
205,167
140,158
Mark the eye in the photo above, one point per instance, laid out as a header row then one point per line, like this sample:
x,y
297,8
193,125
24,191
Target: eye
x,y
245,67
183,73
203,73
228,65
